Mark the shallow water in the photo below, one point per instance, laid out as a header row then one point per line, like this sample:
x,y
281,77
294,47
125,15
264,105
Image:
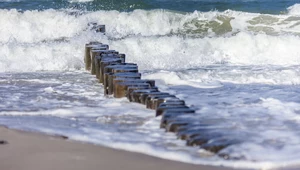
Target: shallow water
x,y
72,104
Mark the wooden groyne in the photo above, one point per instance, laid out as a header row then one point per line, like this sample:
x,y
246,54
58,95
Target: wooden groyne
x,y
122,79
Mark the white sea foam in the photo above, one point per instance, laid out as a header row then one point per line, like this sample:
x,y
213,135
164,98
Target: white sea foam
x,y
245,75
294,10
180,53
73,105
53,40
36,26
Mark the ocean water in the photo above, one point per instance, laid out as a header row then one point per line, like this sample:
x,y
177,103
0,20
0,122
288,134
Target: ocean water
x,y
235,61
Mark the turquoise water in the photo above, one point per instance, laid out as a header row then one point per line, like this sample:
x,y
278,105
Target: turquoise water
x,y
259,6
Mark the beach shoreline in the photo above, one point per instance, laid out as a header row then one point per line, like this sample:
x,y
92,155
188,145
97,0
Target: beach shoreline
x,y
21,150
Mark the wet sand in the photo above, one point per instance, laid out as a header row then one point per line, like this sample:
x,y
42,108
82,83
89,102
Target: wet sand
x,y
34,151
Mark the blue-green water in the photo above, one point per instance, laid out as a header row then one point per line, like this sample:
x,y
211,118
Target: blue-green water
x,y
260,6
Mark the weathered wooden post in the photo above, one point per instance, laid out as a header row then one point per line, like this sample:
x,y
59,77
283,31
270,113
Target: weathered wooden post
x,y
100,28
87,56
121,88
121,77
108,71
193,129
131,90
143,97
123,57
98,52
105,61
174,126
211,141
124,69
135,95
162,108
171,114
133,80
150,100
167,101
200,138
215,145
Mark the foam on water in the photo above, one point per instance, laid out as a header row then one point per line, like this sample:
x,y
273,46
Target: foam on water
x,y
269,114
43,38
242,67
181,53
72,104
294,10
36,26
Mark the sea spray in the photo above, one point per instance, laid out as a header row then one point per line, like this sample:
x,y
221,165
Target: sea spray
x,y
40,38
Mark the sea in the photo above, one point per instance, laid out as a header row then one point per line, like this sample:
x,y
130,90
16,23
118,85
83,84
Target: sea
x,y
236,62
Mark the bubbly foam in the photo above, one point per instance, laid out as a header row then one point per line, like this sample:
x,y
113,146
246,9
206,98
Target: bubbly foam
x,y
294,10
73,104
54,40
181,53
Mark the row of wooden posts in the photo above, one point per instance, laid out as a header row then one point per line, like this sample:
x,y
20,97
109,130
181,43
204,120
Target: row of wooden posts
x,y
122,79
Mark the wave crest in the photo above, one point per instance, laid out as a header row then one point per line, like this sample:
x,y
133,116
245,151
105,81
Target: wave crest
x,y
157,39
294,10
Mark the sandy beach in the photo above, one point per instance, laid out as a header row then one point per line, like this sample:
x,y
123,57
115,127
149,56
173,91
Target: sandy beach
x,y
33,151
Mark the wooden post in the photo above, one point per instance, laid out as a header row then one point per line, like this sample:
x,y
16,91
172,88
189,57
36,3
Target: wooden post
x,y
102,62
106,61
109,80
150,100
100,28
171,114
157,100
169,102
105,83
108,71
121,88
123,69
135,95
216,144
87,57
151,82
143,97
123,57
174,126
131,80
190,131
130,90
98,52
160,110
134,79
